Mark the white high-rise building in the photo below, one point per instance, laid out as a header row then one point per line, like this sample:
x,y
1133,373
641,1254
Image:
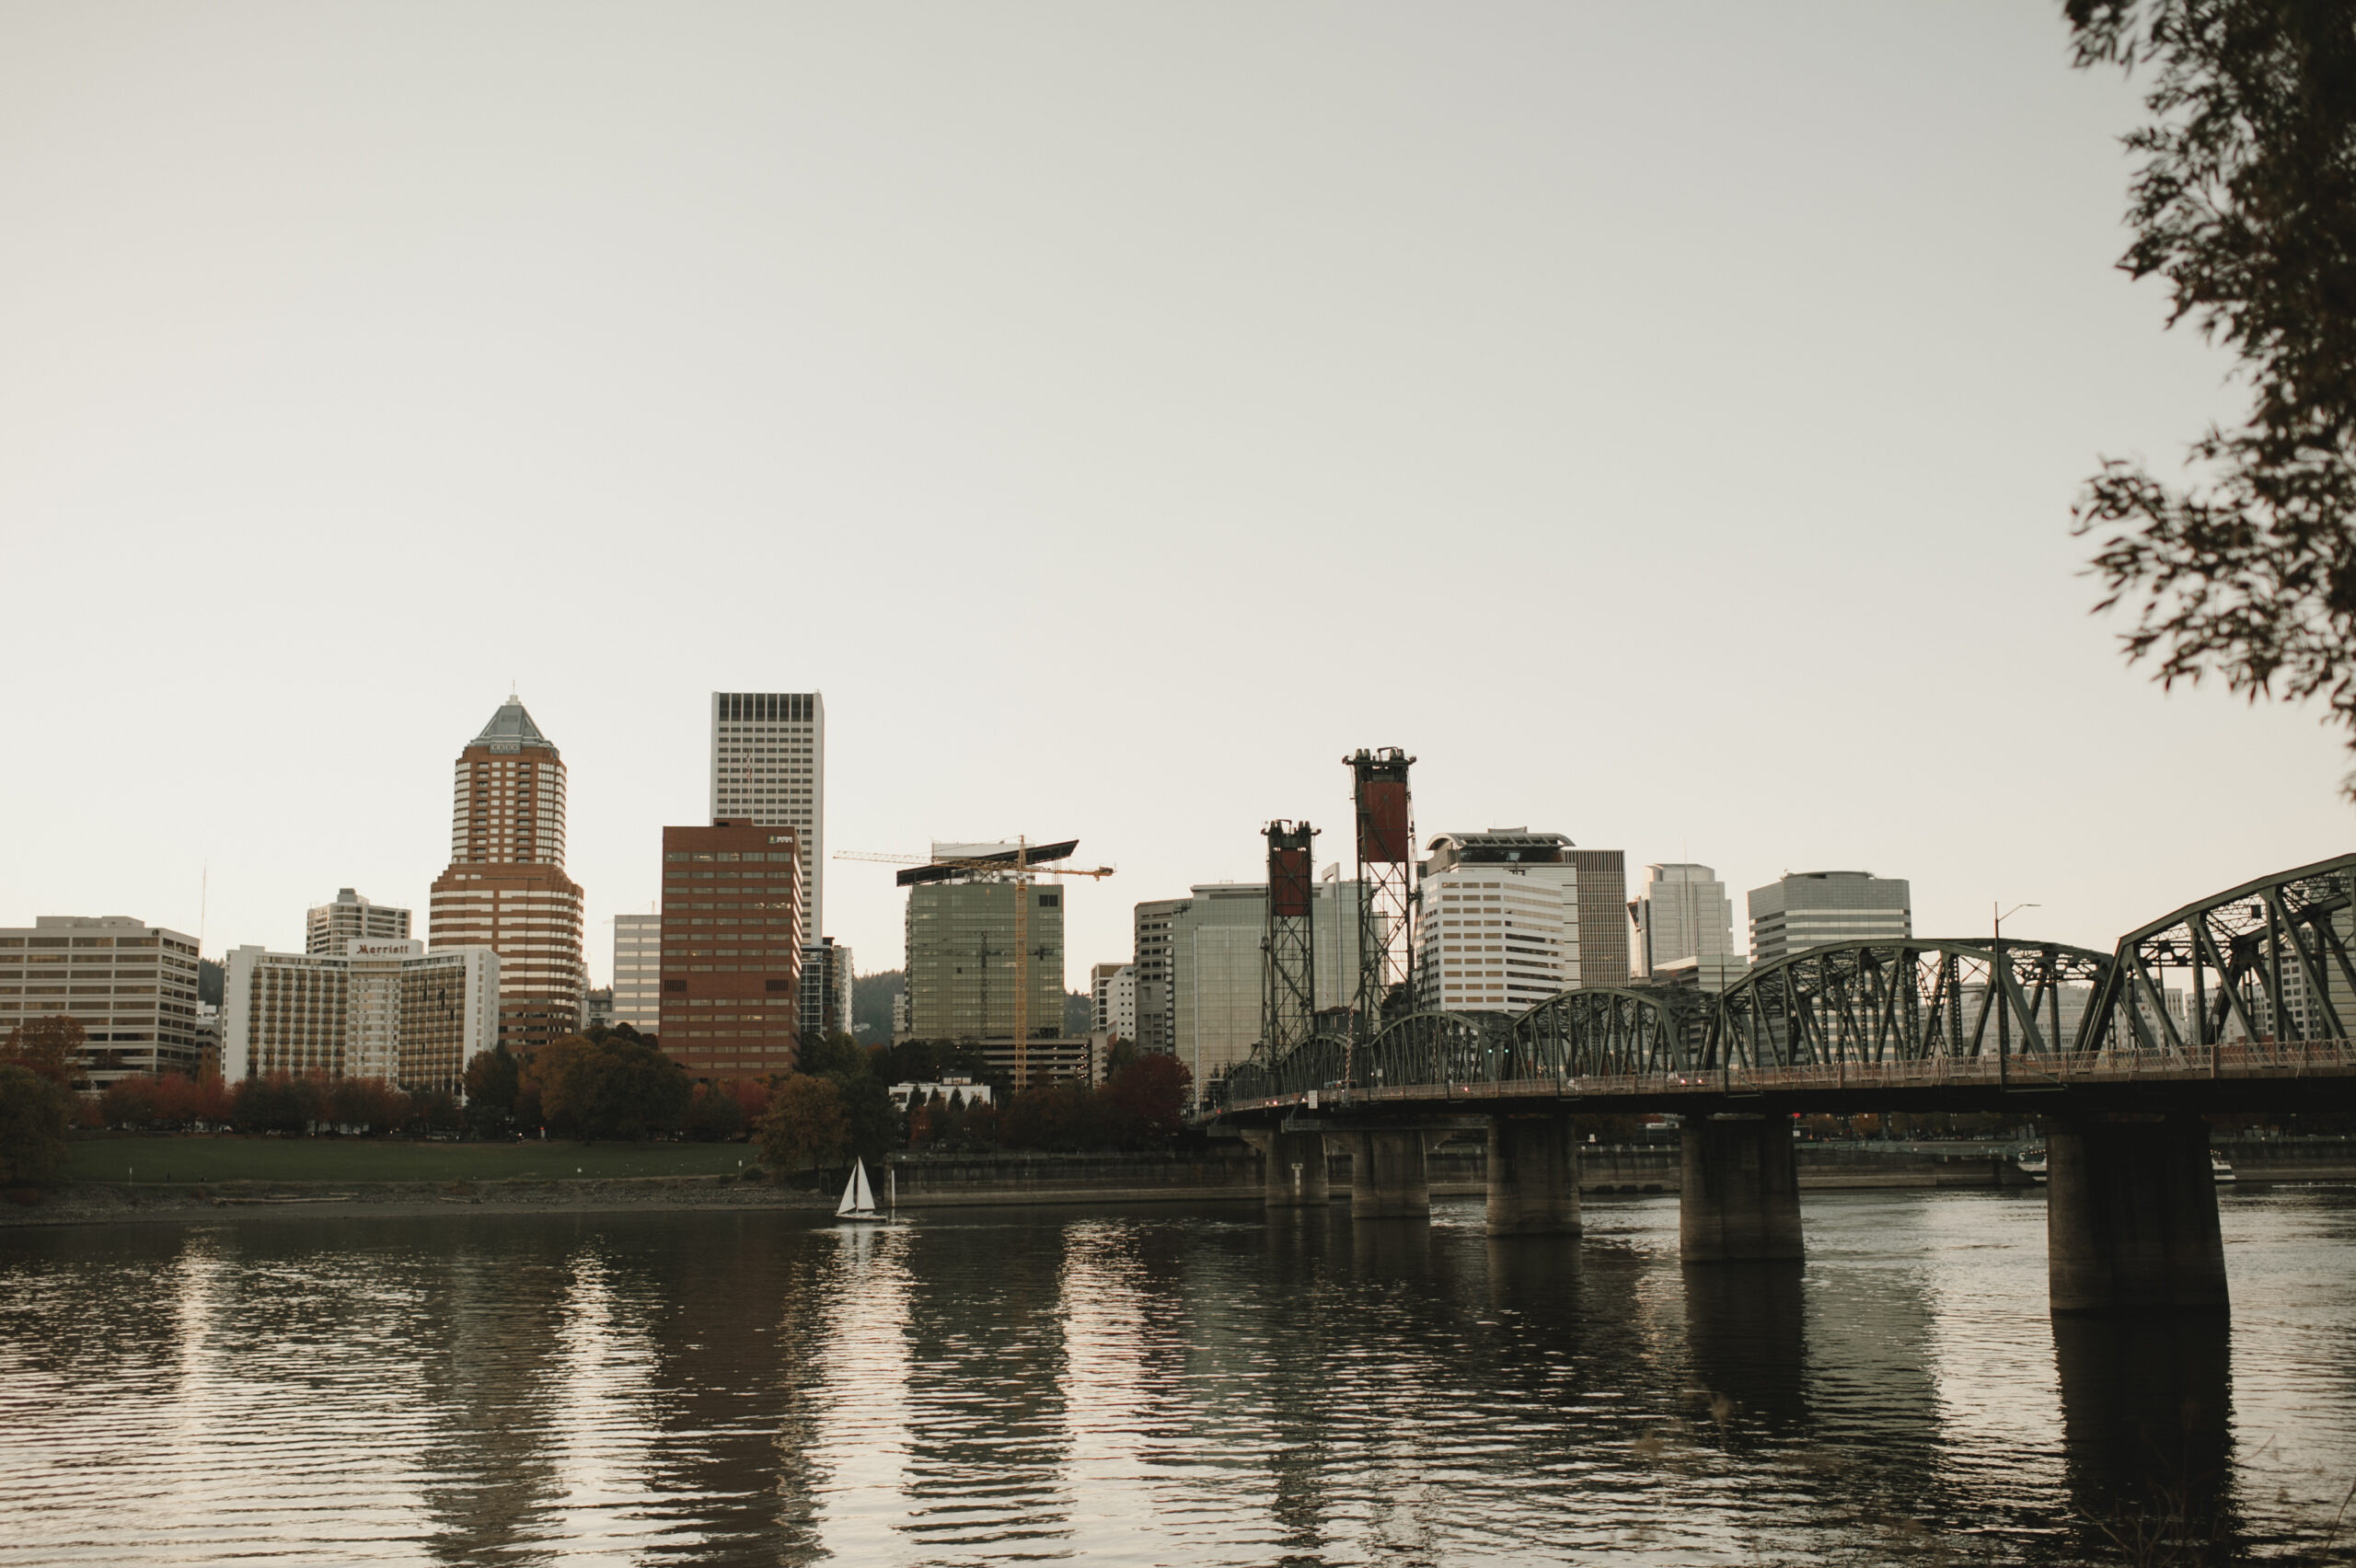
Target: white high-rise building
x,y
350,919
377,1008
1498,923
768,766
637,972
1806,909
1115,1006
1682,918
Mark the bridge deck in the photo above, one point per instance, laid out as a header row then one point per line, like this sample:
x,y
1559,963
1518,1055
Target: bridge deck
x,y
1829,1085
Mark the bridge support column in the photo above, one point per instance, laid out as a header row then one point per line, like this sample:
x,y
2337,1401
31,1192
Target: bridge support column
x,y
2130,1216
1387,1177
1292,1168
1533,1177
1740,1200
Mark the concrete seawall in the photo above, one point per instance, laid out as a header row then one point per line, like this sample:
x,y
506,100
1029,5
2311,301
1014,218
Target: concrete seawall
x,y
1225,1171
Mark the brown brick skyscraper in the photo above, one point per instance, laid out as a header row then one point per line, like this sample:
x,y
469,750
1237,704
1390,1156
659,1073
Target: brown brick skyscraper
x,y
506,888
732,948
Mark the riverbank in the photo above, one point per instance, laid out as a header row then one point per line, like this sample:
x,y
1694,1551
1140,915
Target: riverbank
x,y
203,1159
106,1203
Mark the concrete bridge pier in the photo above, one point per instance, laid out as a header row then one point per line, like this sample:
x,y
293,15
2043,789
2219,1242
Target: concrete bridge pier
x,y
1740,1200
2130,1215
1388,1179
1292,1168
1533,1177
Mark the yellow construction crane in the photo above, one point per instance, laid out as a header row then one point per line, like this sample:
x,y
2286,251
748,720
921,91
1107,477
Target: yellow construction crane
x,y
1021,864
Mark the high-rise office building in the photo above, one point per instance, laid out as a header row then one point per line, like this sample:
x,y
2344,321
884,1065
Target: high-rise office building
x,y
377,1008
1218,968
825,989
1682,919
1502,923
732,949
1603,916
1152,965
131,987
1806,909
637,972
505,888
350,919
1113,992
768,766
964,960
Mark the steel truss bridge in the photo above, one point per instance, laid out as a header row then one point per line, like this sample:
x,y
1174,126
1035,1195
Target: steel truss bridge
x,y
2244,999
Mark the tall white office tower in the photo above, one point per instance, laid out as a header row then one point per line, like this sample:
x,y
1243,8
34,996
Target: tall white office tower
x,y
637,972
768,766
1684,924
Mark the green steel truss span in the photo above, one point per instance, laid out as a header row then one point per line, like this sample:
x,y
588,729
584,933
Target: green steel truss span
x,y
2255,983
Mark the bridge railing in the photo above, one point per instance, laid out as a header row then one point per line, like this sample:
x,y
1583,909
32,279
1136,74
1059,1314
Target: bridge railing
x,y
2248,1060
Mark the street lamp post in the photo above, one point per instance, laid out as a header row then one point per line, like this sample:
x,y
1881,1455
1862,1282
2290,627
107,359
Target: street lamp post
x,y
1999,986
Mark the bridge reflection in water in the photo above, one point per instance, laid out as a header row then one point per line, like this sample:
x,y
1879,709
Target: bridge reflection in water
x,y
2243,1001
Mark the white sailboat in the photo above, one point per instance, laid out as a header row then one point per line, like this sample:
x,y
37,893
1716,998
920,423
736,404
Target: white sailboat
x,y
858,1198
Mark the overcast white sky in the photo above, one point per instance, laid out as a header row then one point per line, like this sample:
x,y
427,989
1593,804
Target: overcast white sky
x,y
1661,420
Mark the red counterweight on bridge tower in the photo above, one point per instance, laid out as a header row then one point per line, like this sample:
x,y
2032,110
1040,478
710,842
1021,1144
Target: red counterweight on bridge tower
x,y
1386,844
1288,1005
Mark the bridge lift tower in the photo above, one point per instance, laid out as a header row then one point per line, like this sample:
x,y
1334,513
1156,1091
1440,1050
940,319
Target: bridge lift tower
x,y
1386,835
1288,1003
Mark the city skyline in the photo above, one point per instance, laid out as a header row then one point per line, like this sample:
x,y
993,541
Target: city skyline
x,y
1640,312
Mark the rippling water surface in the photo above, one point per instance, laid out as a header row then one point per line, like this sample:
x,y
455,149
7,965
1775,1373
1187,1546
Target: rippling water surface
x,y
1153,1385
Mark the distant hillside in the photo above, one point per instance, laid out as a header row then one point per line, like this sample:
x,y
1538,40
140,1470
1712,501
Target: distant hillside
x,y
871,1004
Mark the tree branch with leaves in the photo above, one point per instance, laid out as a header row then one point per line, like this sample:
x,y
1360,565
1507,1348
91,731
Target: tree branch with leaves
x,y
2244,201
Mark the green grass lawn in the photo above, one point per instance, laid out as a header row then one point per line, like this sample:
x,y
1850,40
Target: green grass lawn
x,y
143,1160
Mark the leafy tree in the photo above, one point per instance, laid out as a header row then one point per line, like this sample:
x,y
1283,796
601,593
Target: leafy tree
x,y
35,1111
2244,201
614,1086
1146,1098
1055,1115
805,1125
713,1114
435,1111
131,1101
828,1054
494,1081
49,1047
279,1102
365,1104
1119,1056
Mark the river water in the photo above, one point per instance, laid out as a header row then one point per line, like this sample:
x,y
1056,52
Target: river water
x,y
1156,1385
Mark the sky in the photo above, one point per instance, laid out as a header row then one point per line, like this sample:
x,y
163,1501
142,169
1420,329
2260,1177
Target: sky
x,y
1662,421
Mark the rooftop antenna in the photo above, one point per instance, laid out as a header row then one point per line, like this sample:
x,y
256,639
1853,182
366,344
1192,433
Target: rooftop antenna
x,y
203,895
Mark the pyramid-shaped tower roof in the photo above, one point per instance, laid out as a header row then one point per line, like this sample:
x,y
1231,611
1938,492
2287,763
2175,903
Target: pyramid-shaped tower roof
x,y
511,729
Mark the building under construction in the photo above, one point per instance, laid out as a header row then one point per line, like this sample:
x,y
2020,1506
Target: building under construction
x,y
973,951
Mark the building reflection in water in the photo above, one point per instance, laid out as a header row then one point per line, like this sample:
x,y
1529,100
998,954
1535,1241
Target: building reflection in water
x,y
1169,1384
982,1342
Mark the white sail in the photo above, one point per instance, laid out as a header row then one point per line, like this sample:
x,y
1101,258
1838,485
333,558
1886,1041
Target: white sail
x,y
858,1198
